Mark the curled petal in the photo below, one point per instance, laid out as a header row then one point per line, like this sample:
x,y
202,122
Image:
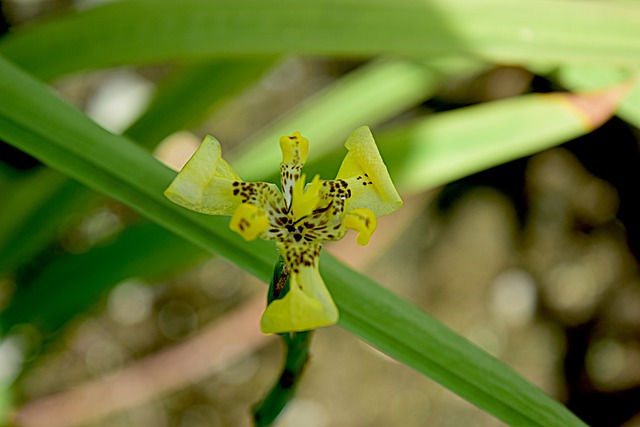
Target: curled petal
x,y
304,201
205,183
249,221
363,221
369,181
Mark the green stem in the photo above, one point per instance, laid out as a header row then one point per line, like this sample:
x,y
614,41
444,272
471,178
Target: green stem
x,y
283,391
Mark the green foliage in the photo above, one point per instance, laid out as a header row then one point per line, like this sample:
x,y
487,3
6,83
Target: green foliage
x,y
503,31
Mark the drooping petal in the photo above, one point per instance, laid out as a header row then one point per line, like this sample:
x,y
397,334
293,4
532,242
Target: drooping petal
x,y
249,221
363,221
365,172
209,185
295,149
308,304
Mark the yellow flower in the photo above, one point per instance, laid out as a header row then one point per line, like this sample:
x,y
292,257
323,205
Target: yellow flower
x,y
299,218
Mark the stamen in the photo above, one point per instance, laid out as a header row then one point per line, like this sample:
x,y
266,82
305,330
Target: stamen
x,y
305,200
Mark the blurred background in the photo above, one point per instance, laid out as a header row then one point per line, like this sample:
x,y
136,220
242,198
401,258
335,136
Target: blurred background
x,y
535,261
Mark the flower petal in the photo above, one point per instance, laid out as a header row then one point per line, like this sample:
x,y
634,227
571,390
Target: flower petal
x,y
205,183
363,221
249,221
369,181
308,304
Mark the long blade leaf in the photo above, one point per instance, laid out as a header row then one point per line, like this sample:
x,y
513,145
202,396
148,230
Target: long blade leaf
x,y
502,31
372,93
450,145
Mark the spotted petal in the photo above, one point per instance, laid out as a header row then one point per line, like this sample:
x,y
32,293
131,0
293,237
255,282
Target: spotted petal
x,y
295,149
369,181
308,304
207,184
249,221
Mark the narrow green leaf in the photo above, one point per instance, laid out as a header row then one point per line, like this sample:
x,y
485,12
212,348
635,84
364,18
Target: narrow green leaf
x,y
372,93
33,119
450,145
582,78
34,218
63,134
502,31
402,331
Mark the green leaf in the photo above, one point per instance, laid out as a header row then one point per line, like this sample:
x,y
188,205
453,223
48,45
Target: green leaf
x,y
38,207
402,331
450,145
372,93
583,78
33,119
63,134
501,31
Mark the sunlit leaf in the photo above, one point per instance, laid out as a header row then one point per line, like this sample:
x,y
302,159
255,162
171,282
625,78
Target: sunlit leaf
x,y
501,31
450,145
